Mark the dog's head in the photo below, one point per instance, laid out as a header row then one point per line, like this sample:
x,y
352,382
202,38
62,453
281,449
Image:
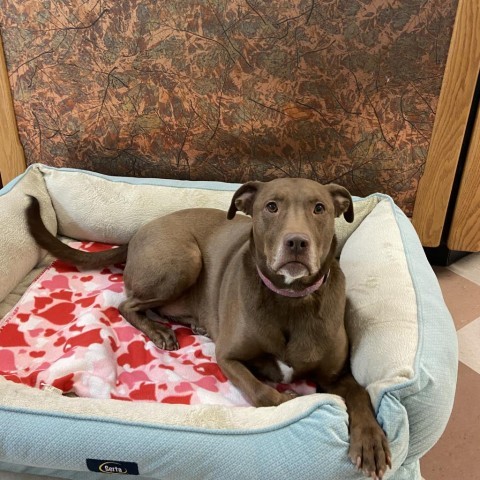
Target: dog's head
x,y
293,224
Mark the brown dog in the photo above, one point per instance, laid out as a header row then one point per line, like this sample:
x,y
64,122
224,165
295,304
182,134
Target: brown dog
x,y
266,289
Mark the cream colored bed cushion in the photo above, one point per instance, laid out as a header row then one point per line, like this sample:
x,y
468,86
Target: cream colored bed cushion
x,y
18,251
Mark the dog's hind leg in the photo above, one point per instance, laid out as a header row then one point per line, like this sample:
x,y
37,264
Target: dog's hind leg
x,y
161,335
159,278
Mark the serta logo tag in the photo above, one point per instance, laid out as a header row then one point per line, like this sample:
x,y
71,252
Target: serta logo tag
x,y
112,467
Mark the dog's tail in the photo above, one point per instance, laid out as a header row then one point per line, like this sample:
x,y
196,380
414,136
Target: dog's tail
x,y
60,250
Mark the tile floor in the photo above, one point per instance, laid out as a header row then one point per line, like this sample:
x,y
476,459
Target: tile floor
x,y
457,452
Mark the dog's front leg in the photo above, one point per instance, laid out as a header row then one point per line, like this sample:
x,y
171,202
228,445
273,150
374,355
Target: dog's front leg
x,y
369,449
259,393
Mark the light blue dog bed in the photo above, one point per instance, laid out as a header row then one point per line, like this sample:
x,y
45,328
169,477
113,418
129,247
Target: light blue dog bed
x,y
403,350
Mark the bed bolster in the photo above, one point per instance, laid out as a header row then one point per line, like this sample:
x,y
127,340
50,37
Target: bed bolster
x,y
18,251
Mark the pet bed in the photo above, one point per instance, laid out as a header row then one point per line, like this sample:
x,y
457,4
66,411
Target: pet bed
x,y
403,350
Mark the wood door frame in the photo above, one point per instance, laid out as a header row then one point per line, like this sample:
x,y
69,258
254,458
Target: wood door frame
x,y
464,233
12,157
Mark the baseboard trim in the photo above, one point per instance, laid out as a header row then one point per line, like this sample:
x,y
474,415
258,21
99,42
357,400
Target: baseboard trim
x,y
443,256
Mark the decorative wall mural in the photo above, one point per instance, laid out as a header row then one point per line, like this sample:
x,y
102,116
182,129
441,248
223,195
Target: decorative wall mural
x,y
335,90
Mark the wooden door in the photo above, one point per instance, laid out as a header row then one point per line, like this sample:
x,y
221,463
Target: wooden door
x,y
454,107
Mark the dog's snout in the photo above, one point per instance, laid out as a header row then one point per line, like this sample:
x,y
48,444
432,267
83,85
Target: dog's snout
x,y
297,242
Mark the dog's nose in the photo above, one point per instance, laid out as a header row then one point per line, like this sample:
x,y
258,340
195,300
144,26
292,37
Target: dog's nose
x,y
296,242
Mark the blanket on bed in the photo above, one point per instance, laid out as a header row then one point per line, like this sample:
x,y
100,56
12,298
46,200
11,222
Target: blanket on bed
x,y
66,333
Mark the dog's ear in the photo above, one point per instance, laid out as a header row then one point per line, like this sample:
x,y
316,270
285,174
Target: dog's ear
x,y
342,201
243,199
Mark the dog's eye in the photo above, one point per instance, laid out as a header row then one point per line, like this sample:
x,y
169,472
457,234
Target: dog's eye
x,y
319,208
271,207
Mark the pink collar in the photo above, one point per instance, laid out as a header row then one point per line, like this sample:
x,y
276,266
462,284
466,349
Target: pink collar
x,y
288,292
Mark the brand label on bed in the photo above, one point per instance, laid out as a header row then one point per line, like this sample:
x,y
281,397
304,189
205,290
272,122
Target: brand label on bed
x,y
112,467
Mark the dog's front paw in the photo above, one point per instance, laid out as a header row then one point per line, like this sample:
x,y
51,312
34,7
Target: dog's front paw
x,y
369,450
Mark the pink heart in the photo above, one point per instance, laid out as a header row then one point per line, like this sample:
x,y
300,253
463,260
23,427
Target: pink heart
x,y
57,282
